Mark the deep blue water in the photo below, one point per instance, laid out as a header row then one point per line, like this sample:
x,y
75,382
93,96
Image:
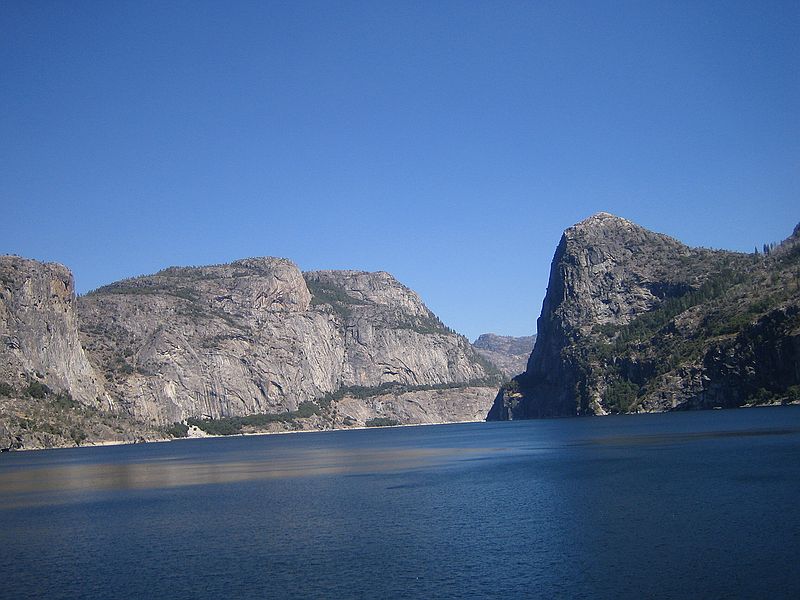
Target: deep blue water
x,y
703,505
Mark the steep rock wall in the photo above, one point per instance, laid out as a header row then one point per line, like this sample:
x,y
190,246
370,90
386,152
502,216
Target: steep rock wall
x,y
39,331
257,336
636,321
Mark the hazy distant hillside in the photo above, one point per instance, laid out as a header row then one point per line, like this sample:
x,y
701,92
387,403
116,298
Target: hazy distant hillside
x,y
509,354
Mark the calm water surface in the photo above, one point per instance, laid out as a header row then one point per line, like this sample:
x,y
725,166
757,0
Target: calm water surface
x,y
658,506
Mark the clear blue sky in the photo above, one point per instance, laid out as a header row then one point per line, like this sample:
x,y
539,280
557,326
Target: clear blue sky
x,y
448,143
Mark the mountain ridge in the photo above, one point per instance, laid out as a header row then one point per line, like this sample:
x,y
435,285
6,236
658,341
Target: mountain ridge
x,y
636,321
633,321
254,336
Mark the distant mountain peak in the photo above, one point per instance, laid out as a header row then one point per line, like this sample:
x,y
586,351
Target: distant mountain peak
x,y
508,353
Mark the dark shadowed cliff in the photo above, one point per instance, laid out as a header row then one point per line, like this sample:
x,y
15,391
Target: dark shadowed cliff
x,y
635,321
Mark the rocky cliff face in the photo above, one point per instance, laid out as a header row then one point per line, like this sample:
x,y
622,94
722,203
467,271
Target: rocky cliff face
x,y
425,406
389,335
39,331
254,337
258,336
49,393
509,354
636,321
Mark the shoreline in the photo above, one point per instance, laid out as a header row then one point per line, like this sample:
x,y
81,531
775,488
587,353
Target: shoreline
x,y
102,443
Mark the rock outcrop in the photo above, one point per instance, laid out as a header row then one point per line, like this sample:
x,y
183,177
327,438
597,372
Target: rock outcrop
x,y
255,337
39,332
50,395
258,336
636,321
412,407
509,354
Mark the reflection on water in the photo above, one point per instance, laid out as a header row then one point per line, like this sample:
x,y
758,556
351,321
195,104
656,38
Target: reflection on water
x,y
684,437
177,472
697,505
65,480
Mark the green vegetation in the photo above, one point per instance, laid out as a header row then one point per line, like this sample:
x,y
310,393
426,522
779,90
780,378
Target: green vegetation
x,y
762,395
621,396
221,339
393,387
427,325
64,401
307,409
45,426
793,393
148,287
381,422
78,435
168,283
733,320
492,372
328,293
223,426
733,311
651,343
37,390
55,415
197,311
177,430
362,392
126,369
323,292
235,425
320,406
646,325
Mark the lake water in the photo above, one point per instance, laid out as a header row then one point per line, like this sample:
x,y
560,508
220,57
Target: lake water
x,y
653,506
